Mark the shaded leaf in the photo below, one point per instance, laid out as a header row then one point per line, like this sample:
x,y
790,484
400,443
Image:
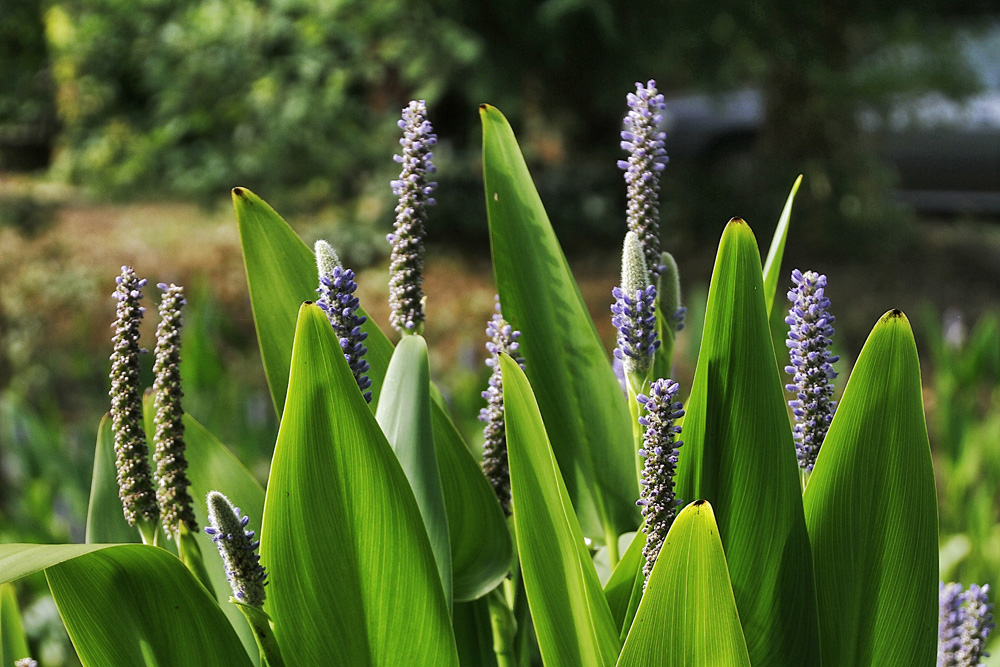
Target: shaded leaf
x,y
138,605
871,510
404,413
105,521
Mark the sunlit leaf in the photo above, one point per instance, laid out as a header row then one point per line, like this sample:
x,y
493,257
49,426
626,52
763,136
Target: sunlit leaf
x,y
13,643
585,412
739,455
871,510
688,617
352,577
772,265
105,521
572,620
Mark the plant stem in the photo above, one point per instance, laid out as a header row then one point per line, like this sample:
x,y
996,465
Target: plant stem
x,y
504,629
190,554
147,531
263,632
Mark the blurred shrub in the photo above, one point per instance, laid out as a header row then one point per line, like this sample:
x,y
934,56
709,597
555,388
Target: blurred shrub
x,y
27,113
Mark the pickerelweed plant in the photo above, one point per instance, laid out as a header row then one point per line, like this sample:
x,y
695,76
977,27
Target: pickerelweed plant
x,y
383,542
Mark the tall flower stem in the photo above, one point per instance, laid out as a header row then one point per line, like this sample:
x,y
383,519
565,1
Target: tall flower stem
x,y
263,631
504,629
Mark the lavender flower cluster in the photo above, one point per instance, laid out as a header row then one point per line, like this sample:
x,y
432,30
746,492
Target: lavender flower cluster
x,y
336,297
643,140
659,447
135,487
406,295
238,549
809,338
171,463
502,339
634,314
964,624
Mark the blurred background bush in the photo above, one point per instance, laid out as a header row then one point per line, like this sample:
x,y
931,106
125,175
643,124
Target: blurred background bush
x,y
124,124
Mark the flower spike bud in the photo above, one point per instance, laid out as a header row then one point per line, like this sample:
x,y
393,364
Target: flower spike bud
x,y
965,621
809,337
643,140
238,549
503,339
168,454
634,315
406,268
135,483
26,662
659,447
336,297
670,292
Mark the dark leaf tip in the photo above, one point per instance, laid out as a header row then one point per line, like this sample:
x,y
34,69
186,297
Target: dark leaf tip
x,y
737,221
699,503
239,192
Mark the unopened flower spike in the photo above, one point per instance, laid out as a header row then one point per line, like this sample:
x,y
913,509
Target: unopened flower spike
x,y
634,315
669,291
238,549
413,187
659,447
168,454
809,337
336,297
26,662
643,140
502,339
965,622
135,481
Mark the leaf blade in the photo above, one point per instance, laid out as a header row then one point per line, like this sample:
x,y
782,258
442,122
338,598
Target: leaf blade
x,y
570,613
873,484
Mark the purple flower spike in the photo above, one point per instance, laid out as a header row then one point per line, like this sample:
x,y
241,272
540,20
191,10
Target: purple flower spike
x,y
809,337
135,482
336,298
503,339
238,549
965,622
659,447
406,268
643,140
634,315
169,451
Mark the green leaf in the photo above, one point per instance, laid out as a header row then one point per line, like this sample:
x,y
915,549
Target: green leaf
x,y
13,643
871,511
772,266
572,620
473,633
481,545
739,456
105,521
353,578
281,273
404,413
584,409
138,605
688,615
624,581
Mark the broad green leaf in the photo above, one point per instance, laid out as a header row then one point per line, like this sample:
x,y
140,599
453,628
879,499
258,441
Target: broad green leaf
x,y
481,545
871,511
281,274
105,521
572,620
623,581
688,617
13,643
404,413
772,265
738,454
353,578
585,412
20,560
138,605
